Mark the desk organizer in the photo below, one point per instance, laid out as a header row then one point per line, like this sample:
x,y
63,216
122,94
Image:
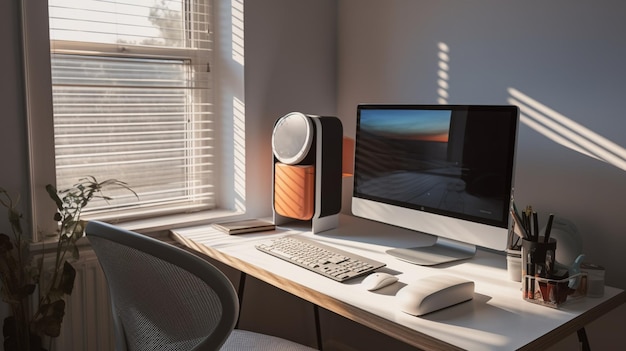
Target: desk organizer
x,y
554,293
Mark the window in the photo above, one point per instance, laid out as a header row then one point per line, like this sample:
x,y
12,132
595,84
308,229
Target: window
x,y
133,84
132,100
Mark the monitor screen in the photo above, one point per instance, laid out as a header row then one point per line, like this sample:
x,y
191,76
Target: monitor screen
x,y
439,169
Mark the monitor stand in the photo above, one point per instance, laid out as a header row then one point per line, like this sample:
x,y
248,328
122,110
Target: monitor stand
x,y
442,251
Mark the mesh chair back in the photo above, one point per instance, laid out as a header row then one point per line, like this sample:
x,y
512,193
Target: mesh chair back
x,y
162,297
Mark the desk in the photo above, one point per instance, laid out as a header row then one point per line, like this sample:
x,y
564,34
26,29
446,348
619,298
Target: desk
x,y
496,319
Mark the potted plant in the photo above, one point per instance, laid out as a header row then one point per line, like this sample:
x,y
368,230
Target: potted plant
x,y
23,275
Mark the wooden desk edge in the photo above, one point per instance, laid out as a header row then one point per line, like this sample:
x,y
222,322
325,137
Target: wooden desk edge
x,y
358,315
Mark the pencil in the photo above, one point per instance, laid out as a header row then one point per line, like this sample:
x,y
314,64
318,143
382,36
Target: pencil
x,y
546,235
536,226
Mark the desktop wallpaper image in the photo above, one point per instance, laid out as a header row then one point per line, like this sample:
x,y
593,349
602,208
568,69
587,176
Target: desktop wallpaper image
x,y
425,160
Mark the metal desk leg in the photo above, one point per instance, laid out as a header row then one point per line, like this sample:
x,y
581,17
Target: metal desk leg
x,y
318,328
240,291
582,339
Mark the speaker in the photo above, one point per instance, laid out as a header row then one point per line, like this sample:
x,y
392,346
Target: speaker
x,y
294,190
307,152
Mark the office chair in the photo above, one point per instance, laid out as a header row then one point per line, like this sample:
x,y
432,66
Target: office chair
x,y
165,298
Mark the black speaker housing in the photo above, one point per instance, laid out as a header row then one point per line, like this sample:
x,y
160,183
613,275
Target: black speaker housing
x,y
324,154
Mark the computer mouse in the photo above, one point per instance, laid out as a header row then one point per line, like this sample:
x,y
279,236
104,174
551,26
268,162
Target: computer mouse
x,y
433,293
378,280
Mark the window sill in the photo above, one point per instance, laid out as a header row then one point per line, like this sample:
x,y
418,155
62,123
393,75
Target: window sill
x,y
166,223
158,227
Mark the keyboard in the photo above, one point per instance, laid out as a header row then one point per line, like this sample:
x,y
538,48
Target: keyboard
x,y
326,260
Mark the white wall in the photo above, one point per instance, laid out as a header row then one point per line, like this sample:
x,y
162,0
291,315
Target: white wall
x,y
565,55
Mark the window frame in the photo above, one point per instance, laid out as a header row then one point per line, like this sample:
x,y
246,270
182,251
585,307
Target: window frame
x,y
230,202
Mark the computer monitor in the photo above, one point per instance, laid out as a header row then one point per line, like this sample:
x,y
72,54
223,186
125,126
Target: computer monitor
x,y
444,170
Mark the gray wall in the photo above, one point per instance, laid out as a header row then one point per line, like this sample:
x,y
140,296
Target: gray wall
x,y
14,175
290,66
290,62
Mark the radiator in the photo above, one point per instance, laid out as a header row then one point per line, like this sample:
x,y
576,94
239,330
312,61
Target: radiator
x,y
87,325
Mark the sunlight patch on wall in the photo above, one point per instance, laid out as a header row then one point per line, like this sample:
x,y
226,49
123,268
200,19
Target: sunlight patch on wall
x,y
566,132
239,138
442,73
237,30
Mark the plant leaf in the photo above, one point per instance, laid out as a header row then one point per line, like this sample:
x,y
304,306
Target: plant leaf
x,y
79,230
51,318
52,192
67,278
25,291
5,243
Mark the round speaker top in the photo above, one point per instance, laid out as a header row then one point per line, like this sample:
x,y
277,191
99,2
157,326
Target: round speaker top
x,y
292,138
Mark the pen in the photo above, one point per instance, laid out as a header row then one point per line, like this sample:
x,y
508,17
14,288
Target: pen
x,y
527,213
546,235
530,267
515,208
514,236
516,245
518,227
536,226
526,226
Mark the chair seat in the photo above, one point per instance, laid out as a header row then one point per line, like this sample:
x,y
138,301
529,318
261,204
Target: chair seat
x,y
246,340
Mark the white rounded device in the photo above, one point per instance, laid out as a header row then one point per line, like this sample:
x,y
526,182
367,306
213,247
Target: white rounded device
x,y
292,138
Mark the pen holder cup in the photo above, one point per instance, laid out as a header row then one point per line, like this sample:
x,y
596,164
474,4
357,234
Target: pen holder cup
x,y
537,261
554,292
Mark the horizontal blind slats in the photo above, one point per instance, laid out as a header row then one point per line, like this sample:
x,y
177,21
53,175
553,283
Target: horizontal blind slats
x,y
146,121
132,76
137,22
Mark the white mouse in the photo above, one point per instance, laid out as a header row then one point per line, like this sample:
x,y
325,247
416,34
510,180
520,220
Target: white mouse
x,y
378,280
434,293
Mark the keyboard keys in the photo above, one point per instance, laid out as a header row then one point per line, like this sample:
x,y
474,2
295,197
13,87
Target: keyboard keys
x,y
326,260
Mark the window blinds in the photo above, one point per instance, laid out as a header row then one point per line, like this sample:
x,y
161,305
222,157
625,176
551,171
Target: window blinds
x,y
132,101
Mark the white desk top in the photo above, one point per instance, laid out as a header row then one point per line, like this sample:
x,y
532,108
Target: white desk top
x,y
496,319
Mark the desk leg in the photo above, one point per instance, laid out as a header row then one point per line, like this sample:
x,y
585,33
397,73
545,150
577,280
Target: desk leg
x,y
318,328
240,290
316,311
582,339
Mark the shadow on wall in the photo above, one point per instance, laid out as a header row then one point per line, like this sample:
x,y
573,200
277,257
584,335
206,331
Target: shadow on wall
x,y
543,120
566,132
442,73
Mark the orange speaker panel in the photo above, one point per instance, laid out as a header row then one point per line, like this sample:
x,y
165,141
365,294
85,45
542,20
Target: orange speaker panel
x,y
294,190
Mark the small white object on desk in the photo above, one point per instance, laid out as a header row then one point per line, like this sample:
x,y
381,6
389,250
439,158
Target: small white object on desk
x,y
434,293
378,280
595,279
